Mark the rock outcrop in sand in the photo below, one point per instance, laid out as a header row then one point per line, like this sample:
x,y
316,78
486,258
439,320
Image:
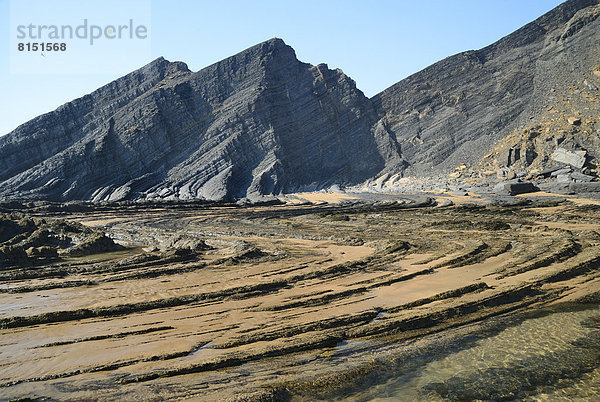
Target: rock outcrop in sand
x,y
28,241
301,302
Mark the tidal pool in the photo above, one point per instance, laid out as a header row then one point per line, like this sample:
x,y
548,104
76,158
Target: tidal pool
x,y
553,355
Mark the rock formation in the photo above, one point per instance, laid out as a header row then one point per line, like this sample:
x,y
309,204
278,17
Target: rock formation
x,y
456,110
262,122
33,241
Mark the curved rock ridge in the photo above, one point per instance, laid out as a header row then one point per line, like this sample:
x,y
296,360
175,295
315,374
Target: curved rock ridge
x,y
262,122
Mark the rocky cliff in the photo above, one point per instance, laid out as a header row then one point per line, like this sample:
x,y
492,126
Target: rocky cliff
x,y
262,122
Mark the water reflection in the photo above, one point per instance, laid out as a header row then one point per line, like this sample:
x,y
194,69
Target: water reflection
x,y
548,357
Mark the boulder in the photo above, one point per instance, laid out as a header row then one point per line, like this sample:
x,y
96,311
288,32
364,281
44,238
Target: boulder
x,y
549,171
514,154
580,177
507,201
555,187
530,156
576,159
514,187
574,121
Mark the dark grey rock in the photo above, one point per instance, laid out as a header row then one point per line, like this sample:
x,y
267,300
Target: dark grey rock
x,y
555,187
514,154
551,171
562,171
514,187
529,156
507,201
564,178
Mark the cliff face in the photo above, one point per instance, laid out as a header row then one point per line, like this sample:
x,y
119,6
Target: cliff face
x,y
454,111
262,122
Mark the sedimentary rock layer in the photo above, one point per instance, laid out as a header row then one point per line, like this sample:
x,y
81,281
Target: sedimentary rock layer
x,y
260,122
306,299
454,111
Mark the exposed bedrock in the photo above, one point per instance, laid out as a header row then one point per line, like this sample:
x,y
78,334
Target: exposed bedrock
x,y
260,122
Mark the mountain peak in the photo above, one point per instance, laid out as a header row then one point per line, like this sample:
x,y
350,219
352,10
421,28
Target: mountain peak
x,y
258,122
270,46
162,67
275,42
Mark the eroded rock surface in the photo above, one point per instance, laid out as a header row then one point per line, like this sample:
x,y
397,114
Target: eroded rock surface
x,y
274,301
26,241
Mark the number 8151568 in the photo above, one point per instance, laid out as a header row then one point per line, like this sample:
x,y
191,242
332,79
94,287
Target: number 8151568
x,y
43,47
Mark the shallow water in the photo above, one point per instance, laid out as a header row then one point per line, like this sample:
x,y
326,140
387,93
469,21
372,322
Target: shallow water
x,y
550,357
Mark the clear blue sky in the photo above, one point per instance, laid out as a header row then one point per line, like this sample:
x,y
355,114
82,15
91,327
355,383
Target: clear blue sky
x,y
377,43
